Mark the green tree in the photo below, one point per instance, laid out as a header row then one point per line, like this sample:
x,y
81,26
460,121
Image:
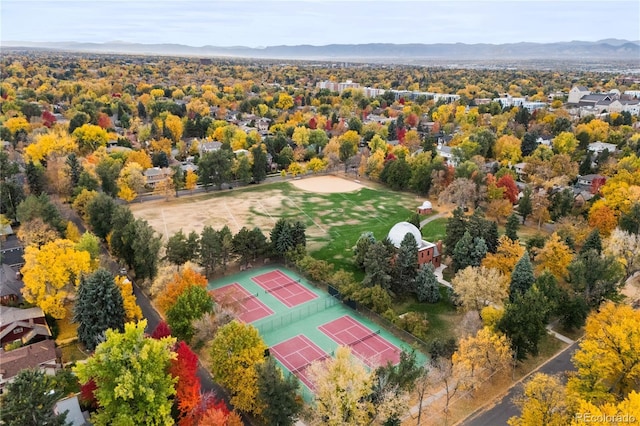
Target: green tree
x,y
209,253
278,395
456,227
525,205
28,400
98,290
41,207
131,373
468,251
282,237
597,277
259,167
593,242
362,246
100,211
630,221
214,167
405,266
122,234
378,266
108,170
522,277
146,248
179,250
75,169
426,285
194,302
35,178
236,351
511,228
524,322
396,174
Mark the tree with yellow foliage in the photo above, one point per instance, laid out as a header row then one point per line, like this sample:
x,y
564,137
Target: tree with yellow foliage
x,y
72,232
130,182
342,386
285,101
477,287
236,351
608,361
36,233
174,124
301,136
56,142
602,217
140,157
90,137
375,164
597,130
565,143
482,355
191,180
295,169
505,257
16,124
626,411
180,282
507,150
316,165
131,308
51,273
554,257
543,402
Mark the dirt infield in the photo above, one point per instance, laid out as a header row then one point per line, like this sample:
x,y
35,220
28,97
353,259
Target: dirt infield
x,y
326,184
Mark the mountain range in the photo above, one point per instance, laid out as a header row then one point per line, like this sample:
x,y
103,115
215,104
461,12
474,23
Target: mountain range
x,y
609,49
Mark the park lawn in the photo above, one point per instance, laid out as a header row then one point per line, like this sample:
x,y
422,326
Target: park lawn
x,y
442,316
435,230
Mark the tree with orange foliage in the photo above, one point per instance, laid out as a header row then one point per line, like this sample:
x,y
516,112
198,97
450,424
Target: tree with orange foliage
x,y
511,190
181,282
602,217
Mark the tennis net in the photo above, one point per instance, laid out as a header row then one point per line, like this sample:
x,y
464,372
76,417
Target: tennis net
x,y
362,339
312,307
271,290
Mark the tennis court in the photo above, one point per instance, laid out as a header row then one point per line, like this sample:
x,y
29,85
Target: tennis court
x,y
297,354
247,305
285,288
365,344
306,323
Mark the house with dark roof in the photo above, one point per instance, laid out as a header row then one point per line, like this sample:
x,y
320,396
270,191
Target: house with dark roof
x,y
26,325
42,356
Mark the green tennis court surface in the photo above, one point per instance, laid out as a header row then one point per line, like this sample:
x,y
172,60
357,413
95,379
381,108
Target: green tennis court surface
x,y
306,323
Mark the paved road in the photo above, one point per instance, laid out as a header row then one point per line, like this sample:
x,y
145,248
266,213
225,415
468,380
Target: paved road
x,y
498,414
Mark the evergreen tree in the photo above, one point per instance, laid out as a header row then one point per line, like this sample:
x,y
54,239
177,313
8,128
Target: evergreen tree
x,y
278,395
100,211
405,265
525,206
630,221
377,266
491,236
522,277
511,228
456,227
585,166
146,248
426,286
595,277
259,168
524,322
209,253
35,178
528,144
28,400
298,234
468,251
99,307
75,169
593,242
121,242
281,237
179,250
362,246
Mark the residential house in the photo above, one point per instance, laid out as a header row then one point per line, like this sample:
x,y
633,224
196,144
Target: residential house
x,y
598,147
519,169
591,183
599,101
25,325
71,406
154,175
427,252
10,285
263,125
447,153
42,355
205,147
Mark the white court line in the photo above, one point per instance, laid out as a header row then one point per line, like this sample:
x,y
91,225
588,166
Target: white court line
x,y
164,222
232,216
304,213
265,210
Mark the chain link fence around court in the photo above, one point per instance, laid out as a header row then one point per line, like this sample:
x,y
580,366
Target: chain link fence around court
x,y
269,324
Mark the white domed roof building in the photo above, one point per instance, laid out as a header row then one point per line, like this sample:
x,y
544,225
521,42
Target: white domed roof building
x,y
427,252
425,208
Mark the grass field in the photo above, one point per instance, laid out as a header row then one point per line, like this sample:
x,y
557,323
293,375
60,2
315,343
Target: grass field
x,y
334,221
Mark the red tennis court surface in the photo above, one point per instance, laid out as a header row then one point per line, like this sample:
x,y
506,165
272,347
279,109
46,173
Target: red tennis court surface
x,y
297,354
367,345
250,308
284,288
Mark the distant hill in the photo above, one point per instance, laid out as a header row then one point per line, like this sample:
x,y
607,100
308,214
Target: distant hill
x,y
577,50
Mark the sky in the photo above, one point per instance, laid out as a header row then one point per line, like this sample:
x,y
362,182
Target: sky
x,y
317,22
